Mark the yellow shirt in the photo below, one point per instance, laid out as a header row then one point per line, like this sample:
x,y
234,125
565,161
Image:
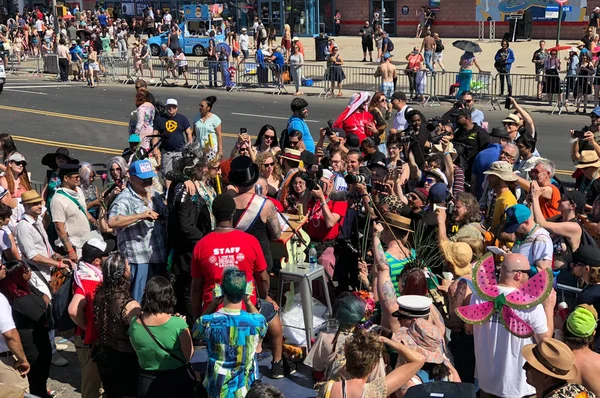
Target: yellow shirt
x,y
503,201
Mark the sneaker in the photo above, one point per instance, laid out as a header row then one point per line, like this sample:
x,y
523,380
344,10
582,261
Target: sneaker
x,y
289,367
364,60
277,371
151,81
58,360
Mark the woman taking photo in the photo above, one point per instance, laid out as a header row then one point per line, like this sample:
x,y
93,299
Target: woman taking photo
x,y
467,216
117,178
207,124
29,314
213,64
113,310
163,344
334,69
266,141
297,194
363,352
397,167
271,171
552,80
566,232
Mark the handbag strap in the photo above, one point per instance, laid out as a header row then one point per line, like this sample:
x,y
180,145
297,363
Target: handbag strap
x,y
162,347
73,200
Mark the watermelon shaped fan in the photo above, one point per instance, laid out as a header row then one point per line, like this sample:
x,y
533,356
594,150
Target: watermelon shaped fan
x,y
535,291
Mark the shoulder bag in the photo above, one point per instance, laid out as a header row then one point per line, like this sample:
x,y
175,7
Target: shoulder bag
x,y
187,364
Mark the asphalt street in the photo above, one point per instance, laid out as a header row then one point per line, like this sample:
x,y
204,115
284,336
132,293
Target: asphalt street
x,y
92,123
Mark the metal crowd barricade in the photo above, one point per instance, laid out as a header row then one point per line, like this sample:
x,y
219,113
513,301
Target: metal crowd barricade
x,y
196,69
116,69
356,78
314,75
38,71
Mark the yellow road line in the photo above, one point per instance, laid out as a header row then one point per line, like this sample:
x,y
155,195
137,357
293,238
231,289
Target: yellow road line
x,y
103,121
81,118
68,145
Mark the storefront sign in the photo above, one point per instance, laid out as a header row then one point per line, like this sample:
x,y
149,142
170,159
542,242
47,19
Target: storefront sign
x,y
500,10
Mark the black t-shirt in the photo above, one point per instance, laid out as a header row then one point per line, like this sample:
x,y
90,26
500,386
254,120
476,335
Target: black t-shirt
x,y
375,157
591,189
591,295
429,18
537,56
587,41
470,144
367,33
593,20
173,129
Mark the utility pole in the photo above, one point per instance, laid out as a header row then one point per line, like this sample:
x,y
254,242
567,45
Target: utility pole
x,y
560,12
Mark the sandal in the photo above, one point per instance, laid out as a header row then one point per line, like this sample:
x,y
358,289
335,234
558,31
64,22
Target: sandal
x,y
339,94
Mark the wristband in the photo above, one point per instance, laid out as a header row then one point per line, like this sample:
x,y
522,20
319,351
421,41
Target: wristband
x,y
71,251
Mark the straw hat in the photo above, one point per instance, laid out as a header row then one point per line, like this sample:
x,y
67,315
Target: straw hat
x,y
397,221
30,197
458,255
588,159
551,357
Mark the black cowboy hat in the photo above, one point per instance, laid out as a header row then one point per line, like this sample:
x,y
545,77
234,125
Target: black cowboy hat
x,y
49,159
243,172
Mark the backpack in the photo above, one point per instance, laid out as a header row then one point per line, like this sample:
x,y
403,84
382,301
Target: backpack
x,y
160,109
60,305
263,33
390,45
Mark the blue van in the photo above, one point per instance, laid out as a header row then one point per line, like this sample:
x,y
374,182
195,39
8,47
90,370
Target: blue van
x,y
196,29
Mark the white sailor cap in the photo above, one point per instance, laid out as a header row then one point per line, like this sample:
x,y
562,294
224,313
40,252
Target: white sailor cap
x,y
413,306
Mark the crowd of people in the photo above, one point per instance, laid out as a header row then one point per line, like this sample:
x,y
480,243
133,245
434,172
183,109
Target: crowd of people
x,y
178,250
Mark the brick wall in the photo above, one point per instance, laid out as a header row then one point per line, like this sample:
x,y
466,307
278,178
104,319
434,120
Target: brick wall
x,y
451,21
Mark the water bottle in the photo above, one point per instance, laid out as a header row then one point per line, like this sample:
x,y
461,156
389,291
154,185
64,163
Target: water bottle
x,y
312,257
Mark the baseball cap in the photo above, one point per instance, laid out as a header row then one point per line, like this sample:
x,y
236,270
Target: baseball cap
x,y
515,216
578,198
438,193
573,50
587,255
142,169
171,101
582,321
134,139
327,174
461,112
387,56
96,248
16,157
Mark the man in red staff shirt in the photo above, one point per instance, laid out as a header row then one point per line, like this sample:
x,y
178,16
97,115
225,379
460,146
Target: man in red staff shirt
x,y
228,247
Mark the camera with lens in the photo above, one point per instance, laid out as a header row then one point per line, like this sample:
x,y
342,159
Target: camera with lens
x,y
408,136
314,178
434,123
329,129
438,138
356,179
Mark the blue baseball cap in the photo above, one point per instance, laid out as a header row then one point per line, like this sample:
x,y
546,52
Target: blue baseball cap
x,y
515,216
142,169
387,56
134,139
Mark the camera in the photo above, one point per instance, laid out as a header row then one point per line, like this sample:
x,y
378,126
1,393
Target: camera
x,y
356,179
438,138
433,123
314,178
313,184
408,137
329,128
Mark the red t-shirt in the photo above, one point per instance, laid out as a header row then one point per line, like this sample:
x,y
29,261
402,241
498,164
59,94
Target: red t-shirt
x,y
218,250
276,203
88,290
316,228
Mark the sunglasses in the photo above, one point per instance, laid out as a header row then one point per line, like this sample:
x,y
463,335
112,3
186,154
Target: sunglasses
x,y
508,155
294,142
243,149
269,164
468,100
269,137
20,163
147,182
382,100
75,177
528,272
430,181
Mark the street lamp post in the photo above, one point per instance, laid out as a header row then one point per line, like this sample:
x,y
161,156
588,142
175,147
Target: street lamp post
x,y
560,11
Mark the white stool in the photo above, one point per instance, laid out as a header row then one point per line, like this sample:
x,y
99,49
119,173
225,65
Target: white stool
x,y
303,274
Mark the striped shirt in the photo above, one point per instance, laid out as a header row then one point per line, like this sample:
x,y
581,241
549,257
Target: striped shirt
x,y
396,266
458,185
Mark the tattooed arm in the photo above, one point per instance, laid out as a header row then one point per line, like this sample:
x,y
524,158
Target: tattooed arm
x,y
385,289
273,226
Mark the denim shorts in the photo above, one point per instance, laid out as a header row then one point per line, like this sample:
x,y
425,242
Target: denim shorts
x,y
266,309
388,90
